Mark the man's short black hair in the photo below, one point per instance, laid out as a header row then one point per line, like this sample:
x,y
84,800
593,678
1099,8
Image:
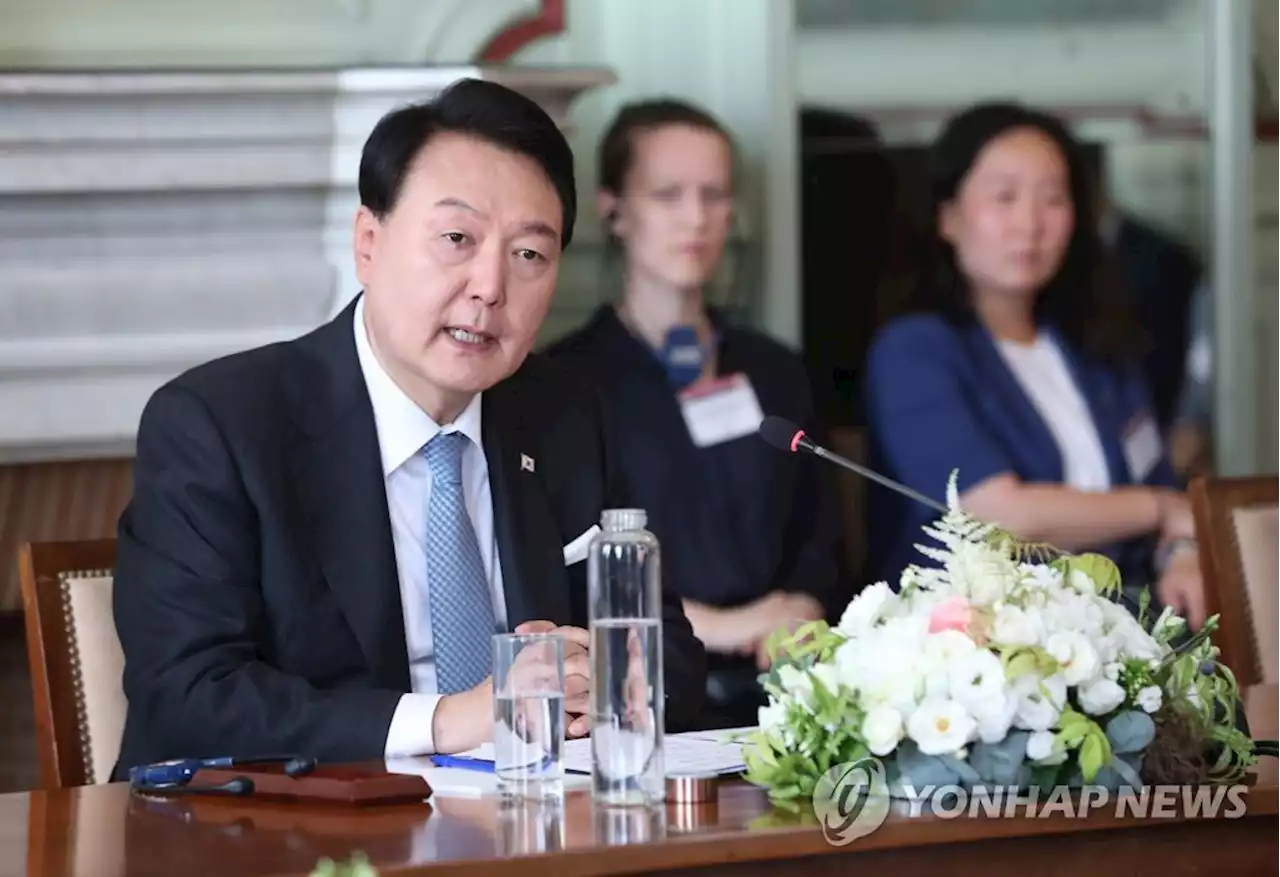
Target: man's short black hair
x,y
484,110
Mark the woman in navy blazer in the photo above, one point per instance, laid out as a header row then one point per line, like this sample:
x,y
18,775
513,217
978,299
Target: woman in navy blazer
x,y
1019,373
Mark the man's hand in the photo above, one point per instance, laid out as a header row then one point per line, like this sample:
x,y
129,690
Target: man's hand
x,y
464,720
746,629
783,611
577,673
1182,589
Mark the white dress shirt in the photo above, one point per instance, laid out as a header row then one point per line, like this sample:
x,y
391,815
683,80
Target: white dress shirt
x,y
1043,373
403,430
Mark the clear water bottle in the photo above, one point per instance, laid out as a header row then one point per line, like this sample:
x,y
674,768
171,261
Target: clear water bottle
x,y
624,580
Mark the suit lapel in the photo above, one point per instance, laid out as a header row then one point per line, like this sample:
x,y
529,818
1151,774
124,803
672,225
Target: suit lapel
x,y
1035,445
337,476
533,575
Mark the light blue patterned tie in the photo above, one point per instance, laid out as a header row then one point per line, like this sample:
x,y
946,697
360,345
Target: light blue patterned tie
x,y
462,619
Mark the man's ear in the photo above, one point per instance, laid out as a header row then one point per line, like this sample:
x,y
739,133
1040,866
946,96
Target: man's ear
x,y
607,208
365,243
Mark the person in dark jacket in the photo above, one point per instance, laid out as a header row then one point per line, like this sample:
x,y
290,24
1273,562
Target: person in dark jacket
x,y
750,536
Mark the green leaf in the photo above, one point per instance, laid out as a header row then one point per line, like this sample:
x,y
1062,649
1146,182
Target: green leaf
x,y
1091,756
806,785
759,770
1070,719
1045,776
1071,737
1023,664
1101,569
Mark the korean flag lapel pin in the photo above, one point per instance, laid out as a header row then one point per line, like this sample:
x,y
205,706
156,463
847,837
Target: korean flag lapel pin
x,y
526,463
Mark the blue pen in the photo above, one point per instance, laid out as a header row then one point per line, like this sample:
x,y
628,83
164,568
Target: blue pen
x,y
462,763
180,771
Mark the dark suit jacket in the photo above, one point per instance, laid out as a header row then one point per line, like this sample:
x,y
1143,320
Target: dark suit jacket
x,y
256,590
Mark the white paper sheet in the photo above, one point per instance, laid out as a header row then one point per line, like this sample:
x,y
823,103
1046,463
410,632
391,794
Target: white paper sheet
x,y
694,752
690,752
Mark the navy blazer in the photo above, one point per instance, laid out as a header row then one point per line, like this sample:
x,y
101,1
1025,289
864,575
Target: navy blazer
x,y
941,398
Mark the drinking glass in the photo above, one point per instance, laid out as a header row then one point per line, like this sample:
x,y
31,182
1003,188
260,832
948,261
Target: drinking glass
x,y
528,714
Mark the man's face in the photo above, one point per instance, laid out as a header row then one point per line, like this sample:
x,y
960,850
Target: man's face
x,y
459,275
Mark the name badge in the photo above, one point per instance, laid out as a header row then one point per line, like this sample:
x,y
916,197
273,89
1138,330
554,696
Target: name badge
x,y
720,410
1142,448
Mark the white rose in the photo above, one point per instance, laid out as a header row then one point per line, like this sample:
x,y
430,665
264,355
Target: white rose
x,y
1076,655
940,652
1094,617
882,669
1150,698
1014,627
976,681
1043,747
995,718
1040,701
945,647
1112,671
1100,697
882,729
940,727
866,609
1109,647
1041,577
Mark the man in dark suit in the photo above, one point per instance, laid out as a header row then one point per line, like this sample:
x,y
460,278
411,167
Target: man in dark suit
x,y
325,533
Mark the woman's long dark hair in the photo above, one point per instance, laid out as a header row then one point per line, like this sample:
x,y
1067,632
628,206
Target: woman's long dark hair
x,y
1083,300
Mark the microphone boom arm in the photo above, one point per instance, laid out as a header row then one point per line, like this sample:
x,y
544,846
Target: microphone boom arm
x,y
879,479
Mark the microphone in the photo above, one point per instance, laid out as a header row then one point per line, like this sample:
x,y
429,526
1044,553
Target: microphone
x,y
786,436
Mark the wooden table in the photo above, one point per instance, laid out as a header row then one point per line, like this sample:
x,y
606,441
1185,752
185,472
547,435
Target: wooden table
x,y
103,831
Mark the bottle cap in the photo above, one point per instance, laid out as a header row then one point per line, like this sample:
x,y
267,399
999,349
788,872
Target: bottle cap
x,y
622,520
691,788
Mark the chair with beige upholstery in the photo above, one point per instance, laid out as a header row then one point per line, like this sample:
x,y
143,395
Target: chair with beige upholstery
x,y
77,665
1238,521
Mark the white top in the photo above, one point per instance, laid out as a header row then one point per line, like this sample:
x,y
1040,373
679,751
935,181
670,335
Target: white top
x,y
1043,373
403,430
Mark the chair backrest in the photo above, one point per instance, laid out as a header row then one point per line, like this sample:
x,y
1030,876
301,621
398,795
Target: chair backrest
x,y
1238,521
77,666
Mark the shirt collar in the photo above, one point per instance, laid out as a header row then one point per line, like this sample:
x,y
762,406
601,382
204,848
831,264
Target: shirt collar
x,y
403,428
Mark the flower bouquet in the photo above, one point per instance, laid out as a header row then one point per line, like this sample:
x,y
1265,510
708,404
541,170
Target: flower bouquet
x,y
1008,665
